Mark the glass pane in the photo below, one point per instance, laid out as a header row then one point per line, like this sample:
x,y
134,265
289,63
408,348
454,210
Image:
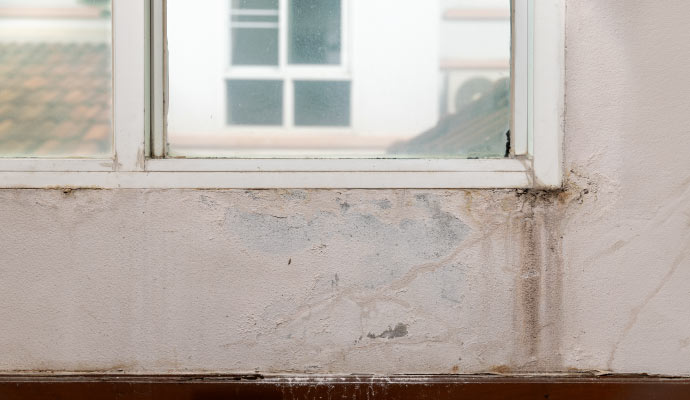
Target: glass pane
x,y
255,4
361,79
251,46
315,31
254,32
55,78
255,102
322,103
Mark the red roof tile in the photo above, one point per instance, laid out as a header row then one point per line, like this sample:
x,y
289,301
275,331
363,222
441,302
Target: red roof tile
x,y
55,99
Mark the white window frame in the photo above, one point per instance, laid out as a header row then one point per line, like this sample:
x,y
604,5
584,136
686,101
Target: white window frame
x,y
139,124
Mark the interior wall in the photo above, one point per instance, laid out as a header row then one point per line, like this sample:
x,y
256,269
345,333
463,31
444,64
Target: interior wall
x,y
594,277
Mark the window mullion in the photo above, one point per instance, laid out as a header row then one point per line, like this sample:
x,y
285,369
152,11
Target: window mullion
x,y
549,96
157,78
520,77
289,103
129,82
345,35
288,84
530,78
283,32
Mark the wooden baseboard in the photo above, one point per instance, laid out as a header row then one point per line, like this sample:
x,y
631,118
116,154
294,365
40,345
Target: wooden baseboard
x,y
417,387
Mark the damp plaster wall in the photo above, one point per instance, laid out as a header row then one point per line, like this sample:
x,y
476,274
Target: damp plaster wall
x,y
595,277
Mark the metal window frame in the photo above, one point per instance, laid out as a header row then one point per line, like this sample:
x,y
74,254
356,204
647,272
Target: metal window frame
x,y
139,109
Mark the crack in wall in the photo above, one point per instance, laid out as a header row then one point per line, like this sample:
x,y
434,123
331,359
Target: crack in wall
x,y
637,310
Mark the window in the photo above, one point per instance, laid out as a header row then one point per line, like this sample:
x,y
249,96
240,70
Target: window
x,y
339,79
255,32
55,78
286,78
260,87
307,93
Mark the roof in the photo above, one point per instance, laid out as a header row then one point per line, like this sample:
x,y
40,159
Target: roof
x,y
55,99
479,129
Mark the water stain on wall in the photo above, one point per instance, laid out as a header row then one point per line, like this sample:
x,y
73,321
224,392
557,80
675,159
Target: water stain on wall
x,y
388,242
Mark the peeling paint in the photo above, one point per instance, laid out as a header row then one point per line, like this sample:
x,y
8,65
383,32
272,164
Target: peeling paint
x,y
591,277
433,234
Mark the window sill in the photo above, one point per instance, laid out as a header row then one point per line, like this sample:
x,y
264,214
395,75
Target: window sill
x,y
268,174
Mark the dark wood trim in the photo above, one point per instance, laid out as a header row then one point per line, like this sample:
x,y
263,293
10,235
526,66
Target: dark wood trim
x,y
257,387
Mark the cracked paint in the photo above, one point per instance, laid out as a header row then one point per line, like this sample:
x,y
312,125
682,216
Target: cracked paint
x,y
593,277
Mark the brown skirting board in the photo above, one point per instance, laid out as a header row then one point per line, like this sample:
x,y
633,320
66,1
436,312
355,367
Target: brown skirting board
x,y
417,387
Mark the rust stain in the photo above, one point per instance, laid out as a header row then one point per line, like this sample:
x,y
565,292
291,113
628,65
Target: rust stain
x,y
528,286
539,280
501,369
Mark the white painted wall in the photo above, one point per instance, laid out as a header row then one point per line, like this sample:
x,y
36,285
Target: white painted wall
x,y
594,277
476,40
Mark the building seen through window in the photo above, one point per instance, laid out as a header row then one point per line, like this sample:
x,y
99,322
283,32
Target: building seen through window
x,y
339,78
269,78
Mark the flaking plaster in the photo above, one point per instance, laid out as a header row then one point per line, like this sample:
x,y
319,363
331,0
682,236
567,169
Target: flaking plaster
x,y
593,277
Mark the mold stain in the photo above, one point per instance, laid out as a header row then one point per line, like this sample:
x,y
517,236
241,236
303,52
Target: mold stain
x,y
429,234
399,331
529,286
539,281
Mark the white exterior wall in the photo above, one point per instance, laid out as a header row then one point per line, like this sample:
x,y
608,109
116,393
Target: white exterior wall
x,y
594,277
395,66
199,55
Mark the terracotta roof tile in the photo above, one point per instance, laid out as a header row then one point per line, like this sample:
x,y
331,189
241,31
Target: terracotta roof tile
x,y
5,126
55,99
478,129
97,132
87,148
15,147
47,148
